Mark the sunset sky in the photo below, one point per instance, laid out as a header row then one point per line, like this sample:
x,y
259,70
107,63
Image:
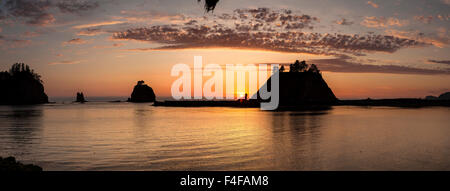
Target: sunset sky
x,y
377,49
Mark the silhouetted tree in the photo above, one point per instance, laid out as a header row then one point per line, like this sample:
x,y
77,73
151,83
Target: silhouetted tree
x,y
20,70
313,68
282,68
298,66
210,5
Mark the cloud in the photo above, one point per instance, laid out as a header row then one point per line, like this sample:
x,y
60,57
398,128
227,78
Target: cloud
x,y
191,22
447,62
267,30
350,65
65,62
31,34
14,42
374,5
443,17
343,21
150,16
37,12
90,32
2,16
34,11
76,6
97,24
424,19
76,41
439,39
267,19
382,22
115,45
262,29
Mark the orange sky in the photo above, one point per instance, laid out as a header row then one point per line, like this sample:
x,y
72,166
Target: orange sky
x,y
117,78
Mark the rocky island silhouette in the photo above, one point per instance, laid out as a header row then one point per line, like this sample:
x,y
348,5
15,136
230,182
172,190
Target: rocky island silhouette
x,y
142,93
21,85
302,85
301,88
80,97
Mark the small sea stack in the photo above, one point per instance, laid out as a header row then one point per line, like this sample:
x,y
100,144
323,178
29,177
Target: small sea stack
x,y
80,97
142,93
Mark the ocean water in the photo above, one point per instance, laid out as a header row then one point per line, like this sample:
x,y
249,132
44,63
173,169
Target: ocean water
x,y
128,136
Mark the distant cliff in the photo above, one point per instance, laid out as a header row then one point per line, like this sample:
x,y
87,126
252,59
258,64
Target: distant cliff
x,y
142,93
20,85
444,96
302,85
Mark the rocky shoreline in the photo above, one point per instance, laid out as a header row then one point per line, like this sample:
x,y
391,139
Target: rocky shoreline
x,y
10,164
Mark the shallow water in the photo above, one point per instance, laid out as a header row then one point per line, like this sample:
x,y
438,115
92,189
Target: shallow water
x,y
127,136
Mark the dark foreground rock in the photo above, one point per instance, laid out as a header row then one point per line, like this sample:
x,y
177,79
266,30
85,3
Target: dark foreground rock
x,y
20,85
142,93
10,164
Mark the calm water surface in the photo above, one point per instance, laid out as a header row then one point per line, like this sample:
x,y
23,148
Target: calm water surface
x,y
126,136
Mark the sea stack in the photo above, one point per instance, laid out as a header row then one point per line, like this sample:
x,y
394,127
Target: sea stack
x,y
142,93
21,85
80,97
302,85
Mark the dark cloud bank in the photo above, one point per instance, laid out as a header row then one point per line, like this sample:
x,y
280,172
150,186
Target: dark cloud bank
x,y
265,29
280,31
37,12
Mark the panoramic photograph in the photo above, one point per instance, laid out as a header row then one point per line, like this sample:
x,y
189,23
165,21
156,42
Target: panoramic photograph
x,y
224,85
